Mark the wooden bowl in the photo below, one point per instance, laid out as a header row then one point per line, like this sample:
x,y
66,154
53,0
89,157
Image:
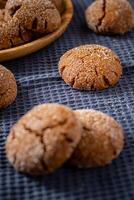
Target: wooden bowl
x,y
35,45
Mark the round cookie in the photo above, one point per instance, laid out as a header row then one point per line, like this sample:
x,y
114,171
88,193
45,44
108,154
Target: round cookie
x,y
8,87
110,16
43,139
13,34
36,15
90,67
102,140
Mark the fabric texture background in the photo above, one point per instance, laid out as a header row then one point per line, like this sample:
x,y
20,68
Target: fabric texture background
x,y
38,82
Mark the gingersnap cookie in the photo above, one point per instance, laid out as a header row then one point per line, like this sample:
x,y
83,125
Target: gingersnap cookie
x,y
13,34
59,5
8,87
90,67
110,16
43,139
13,5
37,15
102,140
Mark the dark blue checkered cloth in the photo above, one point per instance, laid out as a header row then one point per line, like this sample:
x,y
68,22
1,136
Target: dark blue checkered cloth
x,y
38,82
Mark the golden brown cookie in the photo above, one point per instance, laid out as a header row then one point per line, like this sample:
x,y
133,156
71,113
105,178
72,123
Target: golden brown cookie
x,y
13,5
90,67
110,16
8,87
36,15
59,5
102,140
43,139
13,34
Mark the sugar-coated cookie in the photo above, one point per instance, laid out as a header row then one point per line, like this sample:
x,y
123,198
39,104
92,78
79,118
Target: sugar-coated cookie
x,y
102,140
13,34
43,139
90,67
8,87
37,15
110,16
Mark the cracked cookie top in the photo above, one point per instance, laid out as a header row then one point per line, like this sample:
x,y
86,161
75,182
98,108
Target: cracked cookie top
x,y
13,34
12,5
90,67
102,140
23,17
37,15
43,139
8,87
110,16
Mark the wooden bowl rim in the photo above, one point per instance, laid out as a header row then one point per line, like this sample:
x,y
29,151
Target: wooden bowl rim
x,y
31,47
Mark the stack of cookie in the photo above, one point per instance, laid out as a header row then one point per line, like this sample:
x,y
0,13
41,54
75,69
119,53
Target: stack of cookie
x,y
51,134
22,20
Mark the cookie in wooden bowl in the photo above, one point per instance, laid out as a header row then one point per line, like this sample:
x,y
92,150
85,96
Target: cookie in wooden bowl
x,y
40,16
44,40
12,34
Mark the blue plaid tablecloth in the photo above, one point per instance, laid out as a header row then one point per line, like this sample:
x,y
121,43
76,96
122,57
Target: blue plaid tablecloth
x,y
38,82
